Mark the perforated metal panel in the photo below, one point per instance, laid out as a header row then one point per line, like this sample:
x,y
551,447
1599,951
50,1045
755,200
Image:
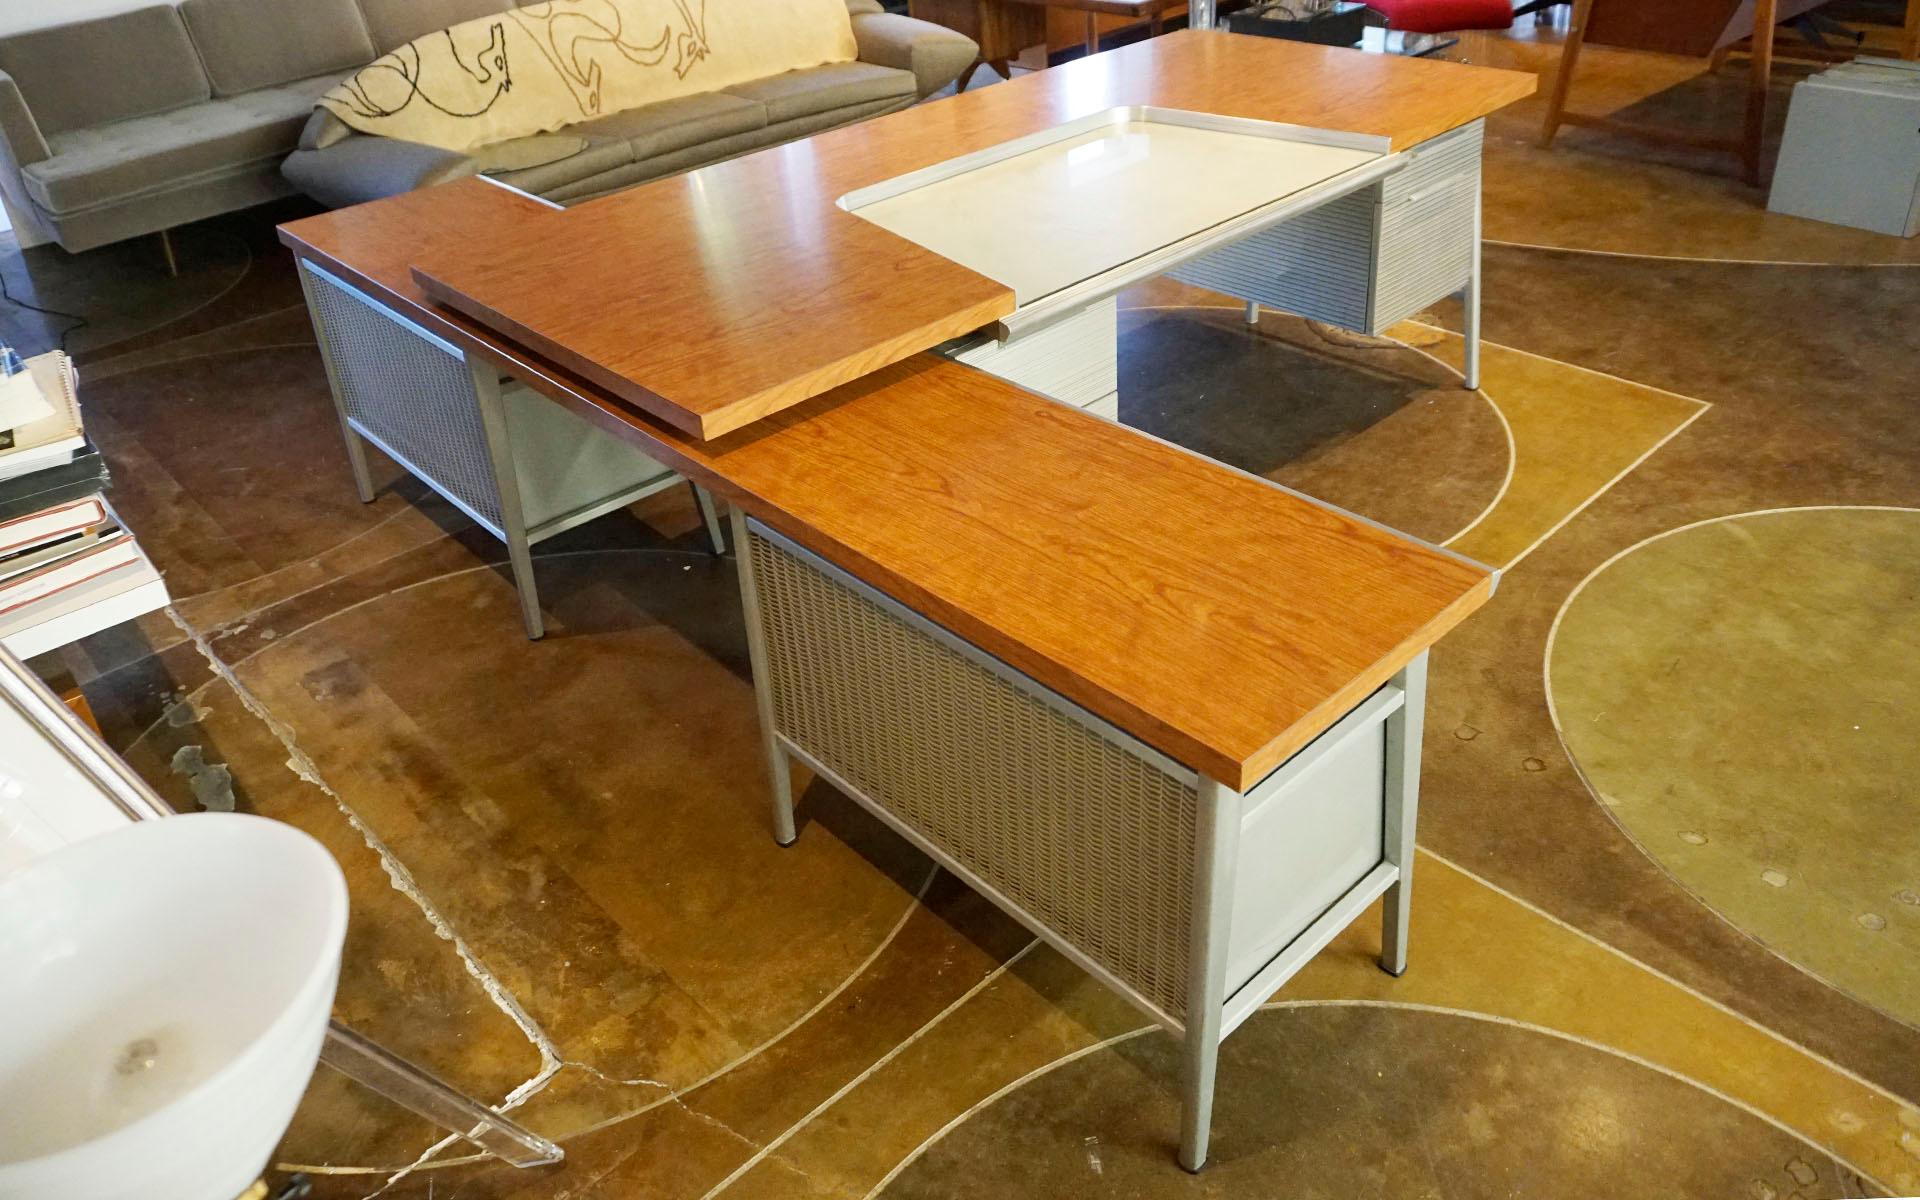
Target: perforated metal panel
x,y
1090,837
1368,260
407,392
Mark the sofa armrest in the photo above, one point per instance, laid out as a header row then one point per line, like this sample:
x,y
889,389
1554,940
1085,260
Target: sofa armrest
x,y
935,54
363,167
323,129
25,145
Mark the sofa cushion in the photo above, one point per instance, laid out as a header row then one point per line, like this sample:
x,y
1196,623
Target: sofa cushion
x,y
517,161
108,69
397,22
819,89
673,124
109,163
370,168
250,44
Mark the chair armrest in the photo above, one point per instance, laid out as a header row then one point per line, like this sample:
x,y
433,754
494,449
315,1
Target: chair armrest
x,y
21,132
935,54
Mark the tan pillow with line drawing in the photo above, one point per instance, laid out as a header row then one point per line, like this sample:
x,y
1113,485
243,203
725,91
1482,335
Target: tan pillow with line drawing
x,y
540,68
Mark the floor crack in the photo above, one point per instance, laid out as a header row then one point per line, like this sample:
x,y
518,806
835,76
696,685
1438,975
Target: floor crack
x,y
401,878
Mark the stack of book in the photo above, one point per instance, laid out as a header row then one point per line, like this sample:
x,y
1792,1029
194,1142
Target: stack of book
x,y
67,567
69,571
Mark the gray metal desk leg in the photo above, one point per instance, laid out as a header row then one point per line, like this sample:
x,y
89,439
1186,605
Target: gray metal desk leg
x,y
1216,843
1470,299
1402,810
1253,312
513,520
779,775
356,446
703,499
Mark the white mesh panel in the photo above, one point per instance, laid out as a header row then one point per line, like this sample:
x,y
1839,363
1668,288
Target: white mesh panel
x,y
409,393
1090,838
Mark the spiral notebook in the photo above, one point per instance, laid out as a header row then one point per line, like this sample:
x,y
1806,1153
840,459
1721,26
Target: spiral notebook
x,y
54,439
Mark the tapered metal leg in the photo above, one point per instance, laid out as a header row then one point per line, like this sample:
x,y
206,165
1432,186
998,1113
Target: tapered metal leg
x,y
716,536
779,773
166,252
1402,812
356,445
357,460
1470,299
1253,312
1215,842
506,478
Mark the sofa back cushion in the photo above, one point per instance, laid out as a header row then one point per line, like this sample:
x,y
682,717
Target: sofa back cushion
x,y
107,69
545,66
251,44
397,22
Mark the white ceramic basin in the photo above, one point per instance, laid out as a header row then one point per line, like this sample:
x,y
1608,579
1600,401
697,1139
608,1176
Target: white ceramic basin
x,y
164,991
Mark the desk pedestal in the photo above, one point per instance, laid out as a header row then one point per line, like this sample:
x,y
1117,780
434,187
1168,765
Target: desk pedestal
x,y
1193,901
1365,261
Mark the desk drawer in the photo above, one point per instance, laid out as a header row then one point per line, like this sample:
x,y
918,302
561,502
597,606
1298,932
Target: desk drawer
x,y
1309,832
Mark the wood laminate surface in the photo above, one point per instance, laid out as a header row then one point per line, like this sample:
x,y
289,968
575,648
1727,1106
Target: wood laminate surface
x,y
1219,619
714,298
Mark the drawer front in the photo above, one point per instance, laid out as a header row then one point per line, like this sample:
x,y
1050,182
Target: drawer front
x,y
1306,845
1319,264
1429,227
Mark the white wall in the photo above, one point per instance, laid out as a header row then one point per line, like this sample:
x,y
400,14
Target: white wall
x,y
16,15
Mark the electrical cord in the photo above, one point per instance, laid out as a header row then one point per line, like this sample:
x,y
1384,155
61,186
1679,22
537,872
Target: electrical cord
x,y
79,322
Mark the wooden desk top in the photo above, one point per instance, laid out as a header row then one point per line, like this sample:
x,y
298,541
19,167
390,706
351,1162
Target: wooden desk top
x,y
1215,617
714,298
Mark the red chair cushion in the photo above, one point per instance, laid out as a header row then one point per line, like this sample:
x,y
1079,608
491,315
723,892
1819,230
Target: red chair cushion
x,y
1443,16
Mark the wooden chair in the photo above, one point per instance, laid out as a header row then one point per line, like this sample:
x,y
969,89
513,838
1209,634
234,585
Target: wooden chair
x,y
1701,29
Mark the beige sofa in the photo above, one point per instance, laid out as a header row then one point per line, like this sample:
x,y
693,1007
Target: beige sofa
x,y
134,123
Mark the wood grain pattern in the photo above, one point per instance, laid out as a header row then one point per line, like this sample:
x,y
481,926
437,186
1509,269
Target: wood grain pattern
x,y
714,298
1215,617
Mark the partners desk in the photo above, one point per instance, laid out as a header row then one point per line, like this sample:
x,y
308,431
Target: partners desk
x,y
1165,713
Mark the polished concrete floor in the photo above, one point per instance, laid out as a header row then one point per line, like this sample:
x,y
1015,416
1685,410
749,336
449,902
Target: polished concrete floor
x,y
1667,916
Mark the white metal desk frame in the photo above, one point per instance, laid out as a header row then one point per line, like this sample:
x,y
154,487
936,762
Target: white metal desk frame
x,y
494,480
1214,1005
1069,351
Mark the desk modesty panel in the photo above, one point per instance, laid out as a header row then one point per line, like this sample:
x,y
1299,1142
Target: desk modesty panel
x,y
717,297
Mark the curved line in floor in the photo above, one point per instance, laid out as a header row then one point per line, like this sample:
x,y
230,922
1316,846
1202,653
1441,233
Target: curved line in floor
x,y
913,901
918,1151
248,262
673,1096
1513,453
1580,773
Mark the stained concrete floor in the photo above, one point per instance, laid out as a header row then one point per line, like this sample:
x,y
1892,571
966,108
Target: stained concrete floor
x,y
565,898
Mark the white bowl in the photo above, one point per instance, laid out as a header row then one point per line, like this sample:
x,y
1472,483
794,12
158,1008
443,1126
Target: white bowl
x,y
164,992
